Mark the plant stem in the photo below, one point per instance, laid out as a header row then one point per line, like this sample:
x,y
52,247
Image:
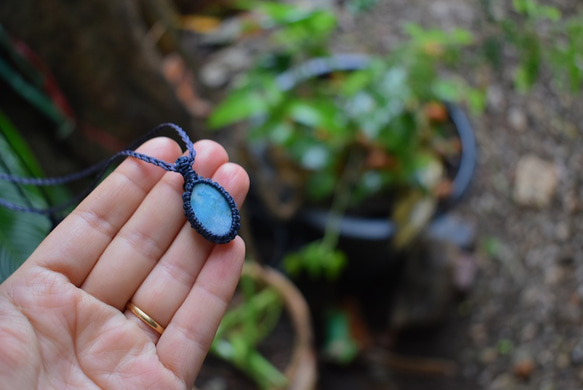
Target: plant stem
x,y
265,374
342,197
264,301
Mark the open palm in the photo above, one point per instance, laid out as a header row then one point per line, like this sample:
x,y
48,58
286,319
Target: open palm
x,y
63,316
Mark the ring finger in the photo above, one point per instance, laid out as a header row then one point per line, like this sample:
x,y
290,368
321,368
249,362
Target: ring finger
x,y
146,236
169,283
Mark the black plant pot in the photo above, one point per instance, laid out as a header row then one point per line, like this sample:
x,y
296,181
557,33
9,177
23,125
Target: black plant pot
x,y
367,240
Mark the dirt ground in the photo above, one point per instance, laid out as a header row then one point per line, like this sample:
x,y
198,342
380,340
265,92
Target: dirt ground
x,y
520,326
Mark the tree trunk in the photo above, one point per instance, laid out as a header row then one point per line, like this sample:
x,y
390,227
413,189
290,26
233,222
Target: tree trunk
x,y
105,63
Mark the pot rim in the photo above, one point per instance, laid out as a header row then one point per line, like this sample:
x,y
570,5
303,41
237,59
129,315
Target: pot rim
x,y
301,370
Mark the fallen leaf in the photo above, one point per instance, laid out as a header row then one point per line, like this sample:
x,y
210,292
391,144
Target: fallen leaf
x,y
200,24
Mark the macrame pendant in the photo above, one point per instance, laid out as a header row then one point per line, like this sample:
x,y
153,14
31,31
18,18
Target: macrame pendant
x,y
209,208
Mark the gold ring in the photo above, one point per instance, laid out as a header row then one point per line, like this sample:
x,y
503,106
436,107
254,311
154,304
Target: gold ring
x,y
146,319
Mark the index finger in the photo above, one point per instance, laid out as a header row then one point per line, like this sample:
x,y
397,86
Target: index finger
x,y
77,242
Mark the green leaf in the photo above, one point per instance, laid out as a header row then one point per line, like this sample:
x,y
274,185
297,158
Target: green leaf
x,y
421,36
355,82
317,260
31,168
523,79
280,133
400,134
339,345
491,246
461,37
36,98
316,157
447,90
567,57
371,183
476,101
321,184
551,13
245,325
308,31
19,146
315,114
522,6
493,51
357,6
428,169
504,346
281,13
535,10
238,105
20,233
414,30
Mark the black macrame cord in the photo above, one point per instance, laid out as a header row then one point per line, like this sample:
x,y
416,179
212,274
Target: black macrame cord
x,y
183,165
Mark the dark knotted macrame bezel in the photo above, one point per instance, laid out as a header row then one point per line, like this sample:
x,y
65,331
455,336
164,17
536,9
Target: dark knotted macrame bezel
x,y
190,181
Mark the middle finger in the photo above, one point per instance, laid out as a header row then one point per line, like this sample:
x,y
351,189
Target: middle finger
x,y
139,245
169,283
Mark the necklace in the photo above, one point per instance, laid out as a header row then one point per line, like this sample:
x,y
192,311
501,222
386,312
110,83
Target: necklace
x,y
208,207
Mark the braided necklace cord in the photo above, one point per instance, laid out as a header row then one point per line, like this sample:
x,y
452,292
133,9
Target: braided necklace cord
x,y
98,169
218,222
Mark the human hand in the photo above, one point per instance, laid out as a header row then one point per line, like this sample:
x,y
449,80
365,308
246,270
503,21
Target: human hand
x,y
63,316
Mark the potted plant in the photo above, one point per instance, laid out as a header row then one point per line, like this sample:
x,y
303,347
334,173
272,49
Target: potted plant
x,y
342,137
267,312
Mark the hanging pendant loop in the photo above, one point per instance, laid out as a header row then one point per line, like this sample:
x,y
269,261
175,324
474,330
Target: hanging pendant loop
x,y
184,167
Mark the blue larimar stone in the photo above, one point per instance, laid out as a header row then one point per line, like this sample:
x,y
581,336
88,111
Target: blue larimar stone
x,y
211,208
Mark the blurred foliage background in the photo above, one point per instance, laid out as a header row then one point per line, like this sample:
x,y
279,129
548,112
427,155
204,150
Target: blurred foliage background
x,y
80,80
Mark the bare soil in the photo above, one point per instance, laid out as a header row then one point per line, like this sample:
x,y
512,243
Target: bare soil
x,y
520,326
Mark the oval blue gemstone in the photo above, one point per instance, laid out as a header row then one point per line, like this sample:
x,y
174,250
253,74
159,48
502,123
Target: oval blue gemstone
x,y
211,208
